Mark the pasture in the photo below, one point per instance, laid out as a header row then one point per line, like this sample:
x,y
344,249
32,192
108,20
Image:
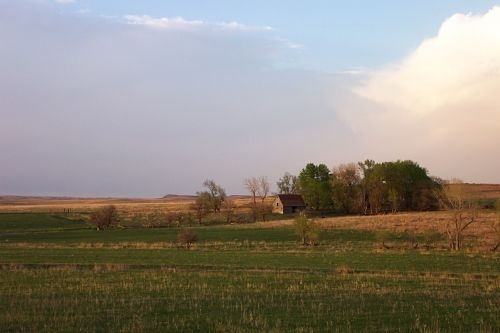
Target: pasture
x,y
390,273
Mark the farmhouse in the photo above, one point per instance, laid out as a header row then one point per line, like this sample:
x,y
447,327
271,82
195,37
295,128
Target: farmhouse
x,y
288,204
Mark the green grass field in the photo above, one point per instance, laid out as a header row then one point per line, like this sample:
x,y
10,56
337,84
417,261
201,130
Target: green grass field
x,y
61,275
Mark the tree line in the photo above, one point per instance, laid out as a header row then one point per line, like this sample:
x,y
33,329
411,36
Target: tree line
x,y
365,187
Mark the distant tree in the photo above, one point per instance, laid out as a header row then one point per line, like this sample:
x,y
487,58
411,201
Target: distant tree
x,y
252,185
104,217
288,184
315,186
496,227
202,205
171,219
187,217
346,188
258,187
216,194
463,212
154,218
366,168
263,191
397,186
228,208
306,229
187,237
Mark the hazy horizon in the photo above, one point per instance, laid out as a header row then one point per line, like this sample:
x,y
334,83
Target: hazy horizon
x,y
144,99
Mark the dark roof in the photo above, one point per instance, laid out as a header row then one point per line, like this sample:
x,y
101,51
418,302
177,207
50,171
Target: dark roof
x,y
295,200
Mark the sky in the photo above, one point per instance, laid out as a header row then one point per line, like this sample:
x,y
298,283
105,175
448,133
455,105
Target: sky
x,y
147,98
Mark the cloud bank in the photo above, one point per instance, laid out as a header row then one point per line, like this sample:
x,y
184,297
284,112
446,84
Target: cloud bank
x,y
440,105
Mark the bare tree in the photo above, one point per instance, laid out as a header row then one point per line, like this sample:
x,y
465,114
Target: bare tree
x,y
263,191
496,227
258,187
288,184
463,212
228,209
252,185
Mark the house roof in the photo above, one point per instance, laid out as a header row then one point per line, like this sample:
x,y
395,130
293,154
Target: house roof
x,y
295,200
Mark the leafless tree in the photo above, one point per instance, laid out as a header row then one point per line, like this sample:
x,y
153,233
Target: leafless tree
x,y
258,187
288,184
263,191
463,212
228,209
252,185
496,227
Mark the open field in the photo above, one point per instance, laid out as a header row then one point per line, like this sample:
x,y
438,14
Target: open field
x,y
124,205
45,204
60,275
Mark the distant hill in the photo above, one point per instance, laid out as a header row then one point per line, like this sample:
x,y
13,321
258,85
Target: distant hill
x,y
179,197
192,197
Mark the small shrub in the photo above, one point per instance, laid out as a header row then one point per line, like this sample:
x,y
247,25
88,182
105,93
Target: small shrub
x,y
187,237
343,269
307,230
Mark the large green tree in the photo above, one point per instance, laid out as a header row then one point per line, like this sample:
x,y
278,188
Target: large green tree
x,y
398,186
315,186
347,192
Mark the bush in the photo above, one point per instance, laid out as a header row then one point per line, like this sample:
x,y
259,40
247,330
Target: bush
x,y
307,230
187,237
104,217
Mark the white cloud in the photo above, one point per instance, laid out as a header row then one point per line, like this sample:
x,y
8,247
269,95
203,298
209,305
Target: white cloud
x,y
176,23
65,1
460,64
233,25
439,105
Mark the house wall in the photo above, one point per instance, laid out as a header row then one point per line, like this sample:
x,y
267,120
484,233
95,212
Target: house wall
x,y
277,206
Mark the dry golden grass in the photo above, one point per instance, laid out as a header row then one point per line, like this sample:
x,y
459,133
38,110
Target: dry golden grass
x,y
124,205
20,204
483,191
